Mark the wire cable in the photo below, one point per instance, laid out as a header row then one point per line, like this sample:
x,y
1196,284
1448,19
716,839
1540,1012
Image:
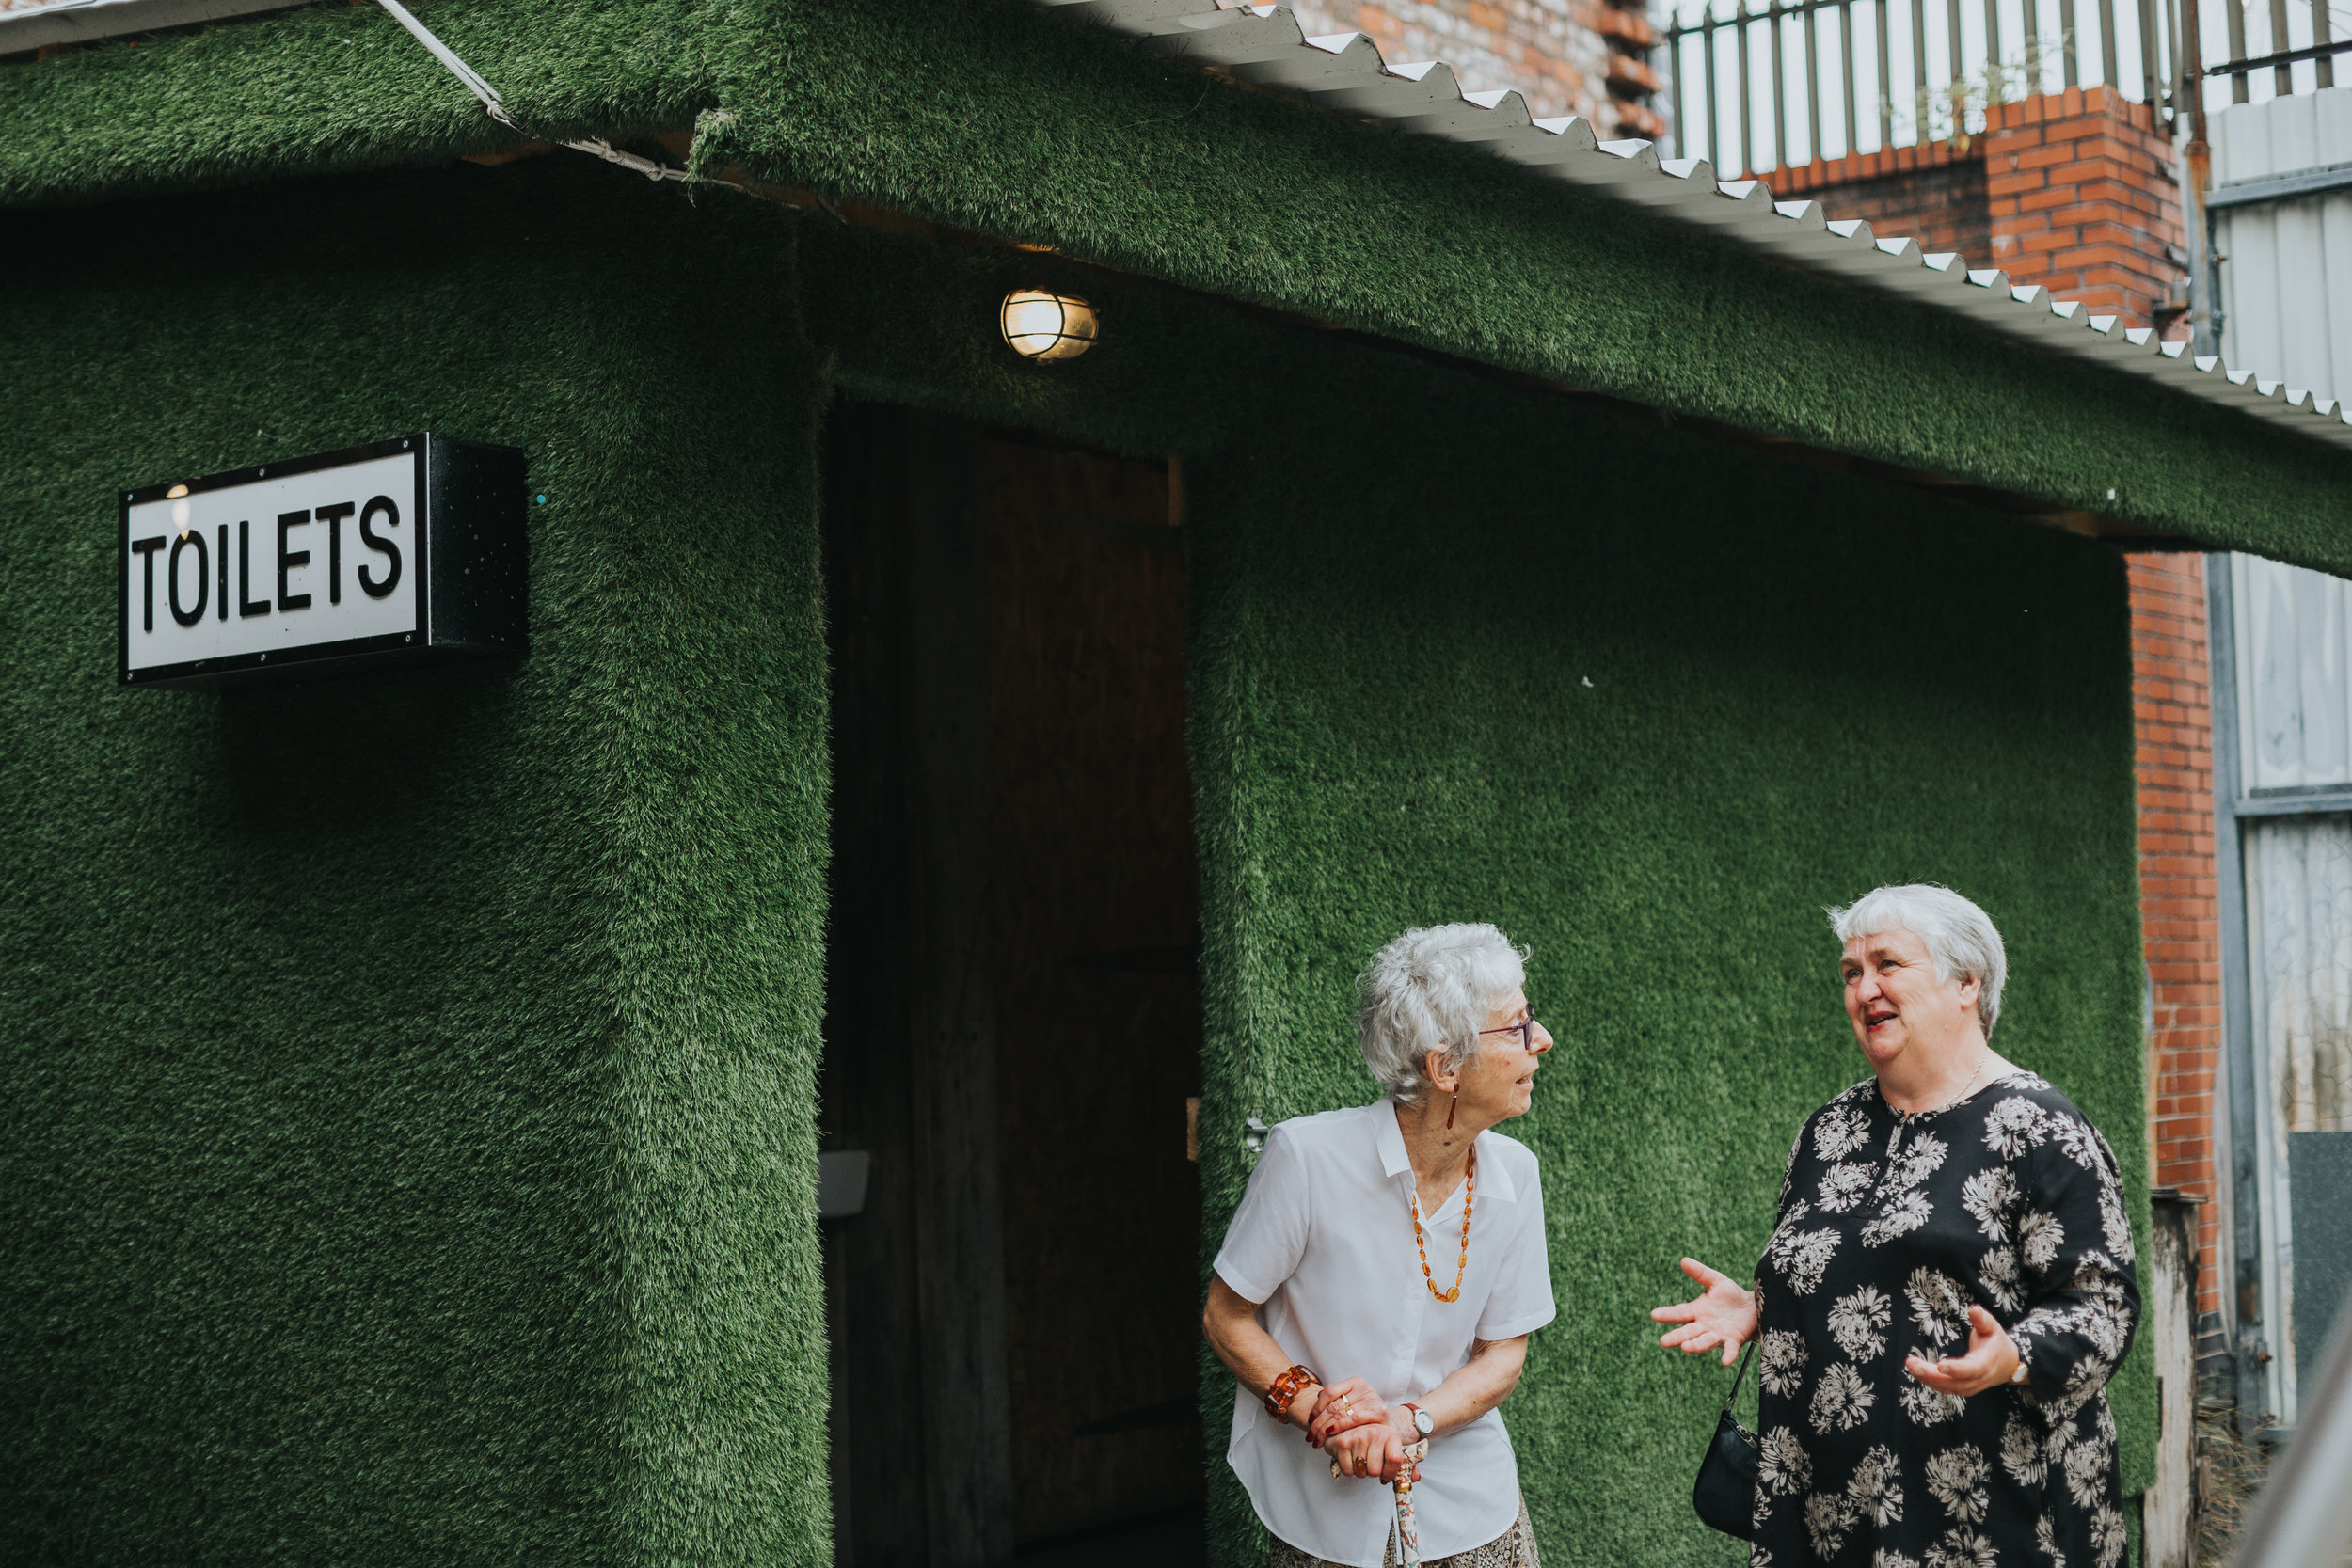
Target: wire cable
x,y
597,147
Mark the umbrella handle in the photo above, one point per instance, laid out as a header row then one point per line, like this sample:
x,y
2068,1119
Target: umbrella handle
x,y
1407,1527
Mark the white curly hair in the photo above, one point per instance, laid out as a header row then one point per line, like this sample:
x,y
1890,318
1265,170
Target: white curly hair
x,y
1431,989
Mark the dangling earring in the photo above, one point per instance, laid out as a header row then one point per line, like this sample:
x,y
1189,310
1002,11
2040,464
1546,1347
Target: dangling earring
x,y
1449,1104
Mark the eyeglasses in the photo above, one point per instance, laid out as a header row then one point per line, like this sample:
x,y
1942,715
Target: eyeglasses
x,y
1525,1029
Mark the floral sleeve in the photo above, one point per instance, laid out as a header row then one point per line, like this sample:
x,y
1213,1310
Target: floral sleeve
x,y
2074,1246
1790,1210
1789,1173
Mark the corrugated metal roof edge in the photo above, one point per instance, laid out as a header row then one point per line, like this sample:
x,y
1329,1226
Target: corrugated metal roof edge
x,y
1344,72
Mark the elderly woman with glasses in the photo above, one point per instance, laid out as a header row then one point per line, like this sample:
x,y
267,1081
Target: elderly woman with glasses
x,y
1947,1291
1399,1247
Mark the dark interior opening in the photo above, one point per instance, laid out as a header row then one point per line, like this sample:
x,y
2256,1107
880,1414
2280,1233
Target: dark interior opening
x,y
1012,1028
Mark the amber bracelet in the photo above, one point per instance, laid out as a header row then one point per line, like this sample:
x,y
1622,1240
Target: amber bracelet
x,y
1285,1389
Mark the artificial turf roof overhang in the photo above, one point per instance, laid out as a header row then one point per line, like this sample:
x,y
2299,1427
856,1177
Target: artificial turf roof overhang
x,y
995,117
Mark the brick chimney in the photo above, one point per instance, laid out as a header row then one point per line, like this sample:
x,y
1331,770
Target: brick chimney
x,y
2072,191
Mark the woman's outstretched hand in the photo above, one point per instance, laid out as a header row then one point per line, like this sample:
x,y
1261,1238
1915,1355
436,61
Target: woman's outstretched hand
x,y
1722,1315
1990,1361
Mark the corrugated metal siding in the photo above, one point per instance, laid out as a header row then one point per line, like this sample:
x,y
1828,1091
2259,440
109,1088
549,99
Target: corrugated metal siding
x,y
2286,287
2286,301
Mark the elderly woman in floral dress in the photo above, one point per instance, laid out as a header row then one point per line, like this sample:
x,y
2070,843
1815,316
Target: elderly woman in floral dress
x,y
1947,1291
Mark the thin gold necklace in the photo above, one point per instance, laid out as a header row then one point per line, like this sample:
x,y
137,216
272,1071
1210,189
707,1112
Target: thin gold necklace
x,y
1971,1089
1968,1089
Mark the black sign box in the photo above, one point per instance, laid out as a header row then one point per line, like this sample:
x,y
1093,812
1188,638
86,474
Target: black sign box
x,y
397,553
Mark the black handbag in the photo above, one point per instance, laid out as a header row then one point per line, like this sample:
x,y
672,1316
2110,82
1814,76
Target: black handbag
x,y
1725,1494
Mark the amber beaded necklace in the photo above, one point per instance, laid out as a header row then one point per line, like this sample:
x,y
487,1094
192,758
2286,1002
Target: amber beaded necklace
x,y
1461,1265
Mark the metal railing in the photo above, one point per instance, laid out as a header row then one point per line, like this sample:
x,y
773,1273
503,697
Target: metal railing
x,y
1757,84
2281,55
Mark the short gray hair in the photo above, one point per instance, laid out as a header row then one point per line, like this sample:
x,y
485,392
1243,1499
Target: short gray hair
x,y
1960,936
1431,989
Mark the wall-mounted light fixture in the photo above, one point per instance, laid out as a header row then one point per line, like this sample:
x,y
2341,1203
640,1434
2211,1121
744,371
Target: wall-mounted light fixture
x,y
1043,325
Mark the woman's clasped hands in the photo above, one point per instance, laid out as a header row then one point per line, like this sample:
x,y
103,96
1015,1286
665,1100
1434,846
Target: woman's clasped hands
x,y
1363,1437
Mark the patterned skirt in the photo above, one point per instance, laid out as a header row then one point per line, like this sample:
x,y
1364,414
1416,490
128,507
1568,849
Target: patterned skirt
x,y
1514,1548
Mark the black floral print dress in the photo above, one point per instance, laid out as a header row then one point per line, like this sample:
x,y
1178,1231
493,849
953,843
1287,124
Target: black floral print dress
x,y
1891,1225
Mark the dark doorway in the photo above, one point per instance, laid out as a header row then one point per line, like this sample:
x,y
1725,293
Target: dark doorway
x,y
1013,1027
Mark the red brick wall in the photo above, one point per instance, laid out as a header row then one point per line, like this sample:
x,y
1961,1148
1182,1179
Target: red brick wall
x,y
2178,896
2083,200
1928,194
2072,191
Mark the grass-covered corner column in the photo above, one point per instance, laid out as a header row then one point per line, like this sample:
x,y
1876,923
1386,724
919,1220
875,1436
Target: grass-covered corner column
x,y
407,1130
1650,703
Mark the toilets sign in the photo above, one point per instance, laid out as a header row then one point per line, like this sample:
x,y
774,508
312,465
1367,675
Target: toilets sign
x,y
398,552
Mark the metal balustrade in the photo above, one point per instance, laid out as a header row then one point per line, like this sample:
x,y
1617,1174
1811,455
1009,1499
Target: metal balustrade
x,y
1757,84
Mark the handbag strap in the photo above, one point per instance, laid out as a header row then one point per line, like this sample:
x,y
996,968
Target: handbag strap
x,y
1733,1398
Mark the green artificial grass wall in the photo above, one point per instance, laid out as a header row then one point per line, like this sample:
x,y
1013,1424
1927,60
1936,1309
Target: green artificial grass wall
x,y
408,1145
1803,685
433,1181
1003,119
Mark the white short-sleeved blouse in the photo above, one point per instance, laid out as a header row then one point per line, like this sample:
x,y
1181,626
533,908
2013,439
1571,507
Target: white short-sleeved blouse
x,y
1324,1242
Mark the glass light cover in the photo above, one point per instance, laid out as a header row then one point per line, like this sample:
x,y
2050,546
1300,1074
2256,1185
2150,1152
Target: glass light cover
x,y
1043,325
